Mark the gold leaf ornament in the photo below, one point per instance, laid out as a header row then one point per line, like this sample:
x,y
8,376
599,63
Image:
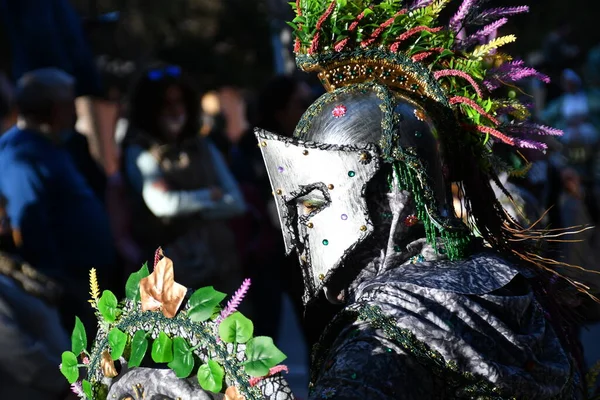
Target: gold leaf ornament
x,y
159,291
232,393
108,366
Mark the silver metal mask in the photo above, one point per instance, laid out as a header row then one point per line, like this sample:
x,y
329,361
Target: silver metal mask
x,y
320,178
319,190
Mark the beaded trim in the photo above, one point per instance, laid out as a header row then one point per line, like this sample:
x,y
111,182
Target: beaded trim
x,y
373,65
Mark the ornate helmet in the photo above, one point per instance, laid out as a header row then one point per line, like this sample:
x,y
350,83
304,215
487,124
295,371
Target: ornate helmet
x,y
411,100
161,343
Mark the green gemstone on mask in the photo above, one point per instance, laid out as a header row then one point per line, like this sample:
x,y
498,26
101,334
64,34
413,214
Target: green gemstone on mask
x,y
418,134
325,242
397,249
351,174
353,376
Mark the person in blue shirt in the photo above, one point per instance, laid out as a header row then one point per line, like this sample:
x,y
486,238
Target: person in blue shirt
x,y
59,225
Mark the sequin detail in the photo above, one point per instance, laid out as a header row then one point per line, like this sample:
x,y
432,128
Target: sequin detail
x,y
411,220
339,111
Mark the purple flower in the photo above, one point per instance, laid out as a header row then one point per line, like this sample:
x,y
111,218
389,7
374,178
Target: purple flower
x,y
494,13
483,34
530,144
512,72
457,20
527,128
235,301
420,4
77,388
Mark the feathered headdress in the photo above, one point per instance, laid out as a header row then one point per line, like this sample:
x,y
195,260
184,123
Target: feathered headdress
x,y
453,65
456,63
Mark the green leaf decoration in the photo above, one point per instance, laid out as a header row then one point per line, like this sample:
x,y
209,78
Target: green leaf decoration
x,y
87,389
69,367
108,306
210,376
183,358
117,341
236,329
78,338
132,287
203,303
162,349
262,355
139,346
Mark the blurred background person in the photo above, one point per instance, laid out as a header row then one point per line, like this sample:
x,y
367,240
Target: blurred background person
x,y
59,226
181,189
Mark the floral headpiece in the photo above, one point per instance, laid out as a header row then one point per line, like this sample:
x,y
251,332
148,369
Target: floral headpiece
x,y
406,46
200,339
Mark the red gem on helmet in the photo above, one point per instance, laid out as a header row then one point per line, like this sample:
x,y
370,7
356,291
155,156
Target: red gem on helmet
x,y
339,111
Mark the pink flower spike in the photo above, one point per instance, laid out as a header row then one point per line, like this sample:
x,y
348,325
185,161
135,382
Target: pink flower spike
x,y
423,55
158,255
381,28
86,360
339,46
77,388
462,74
315,42
496,133
273,371
411,32
235,301
339,111
475,106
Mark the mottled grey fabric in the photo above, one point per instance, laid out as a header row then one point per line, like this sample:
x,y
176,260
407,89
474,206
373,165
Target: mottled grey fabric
x,y
470,313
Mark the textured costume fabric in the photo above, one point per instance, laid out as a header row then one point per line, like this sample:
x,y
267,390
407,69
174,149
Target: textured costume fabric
x,y
465,310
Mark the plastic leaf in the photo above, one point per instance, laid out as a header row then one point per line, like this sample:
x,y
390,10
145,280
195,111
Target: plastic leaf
x,y
107,305
69,367
262,355
78,338
162,349
236,329
203,303
117,341
87,388
132,287
159,291
210,376
139,346
108,366
183,358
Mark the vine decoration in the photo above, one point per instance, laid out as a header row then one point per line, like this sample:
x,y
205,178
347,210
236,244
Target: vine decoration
x,y
201,338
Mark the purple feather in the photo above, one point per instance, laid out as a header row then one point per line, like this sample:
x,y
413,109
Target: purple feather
x,y
457,20
495,13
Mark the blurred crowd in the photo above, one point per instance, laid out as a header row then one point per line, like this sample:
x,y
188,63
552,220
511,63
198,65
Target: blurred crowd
x,y
190,179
